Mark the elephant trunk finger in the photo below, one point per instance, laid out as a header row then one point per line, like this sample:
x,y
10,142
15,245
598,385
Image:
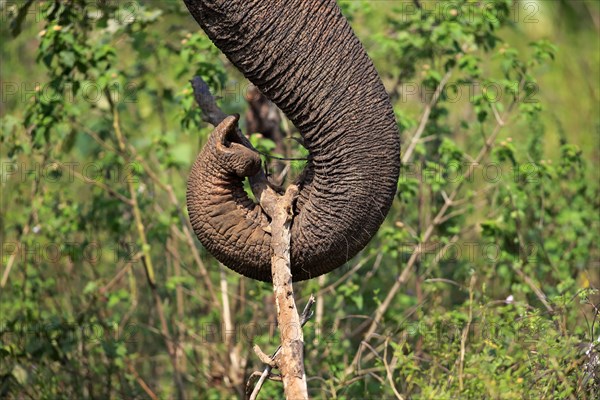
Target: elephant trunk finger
x,y
225,220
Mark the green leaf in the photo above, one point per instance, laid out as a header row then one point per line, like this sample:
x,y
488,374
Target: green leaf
x,y
20,374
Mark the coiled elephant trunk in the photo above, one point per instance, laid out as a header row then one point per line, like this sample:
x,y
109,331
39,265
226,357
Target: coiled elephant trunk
x,y
303,56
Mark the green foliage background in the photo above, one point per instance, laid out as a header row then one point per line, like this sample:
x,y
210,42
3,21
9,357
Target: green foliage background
x,y
480,284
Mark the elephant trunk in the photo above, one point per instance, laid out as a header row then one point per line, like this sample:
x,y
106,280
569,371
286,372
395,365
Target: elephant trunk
x,y
305,58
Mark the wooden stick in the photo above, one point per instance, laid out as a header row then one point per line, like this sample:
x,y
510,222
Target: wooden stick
x,y
290,360
252,395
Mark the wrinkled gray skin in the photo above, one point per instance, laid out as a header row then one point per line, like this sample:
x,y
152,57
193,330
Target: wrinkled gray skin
x,y
303,56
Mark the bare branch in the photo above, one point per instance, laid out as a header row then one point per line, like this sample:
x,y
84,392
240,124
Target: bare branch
x,y
306,315
389,373
425,118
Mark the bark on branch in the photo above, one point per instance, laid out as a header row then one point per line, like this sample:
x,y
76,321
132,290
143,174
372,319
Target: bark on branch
x,y
252,393
290,360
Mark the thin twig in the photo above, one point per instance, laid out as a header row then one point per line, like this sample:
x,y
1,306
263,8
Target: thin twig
x,y
141,382
30,220
389,373
133,198
234,362
425,118
103,187
465,335
118,275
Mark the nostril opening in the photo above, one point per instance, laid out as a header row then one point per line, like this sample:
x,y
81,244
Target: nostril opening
x,y
231,137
